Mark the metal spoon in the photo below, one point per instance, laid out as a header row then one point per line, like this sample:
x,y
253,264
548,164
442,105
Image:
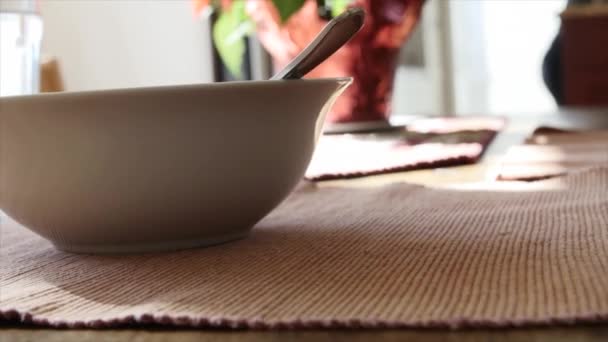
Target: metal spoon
x,y
335,34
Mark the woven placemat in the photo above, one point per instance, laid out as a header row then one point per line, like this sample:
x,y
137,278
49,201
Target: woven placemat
x,y
393,256
550,152
424,143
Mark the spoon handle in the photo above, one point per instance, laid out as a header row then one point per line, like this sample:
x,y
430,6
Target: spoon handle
x,y
335,34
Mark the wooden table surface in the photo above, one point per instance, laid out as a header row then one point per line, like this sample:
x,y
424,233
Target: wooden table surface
x,y
519,126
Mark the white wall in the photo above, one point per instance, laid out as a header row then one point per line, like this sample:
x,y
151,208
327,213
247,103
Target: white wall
x,y
417,88
498,49
496,53
469,58
518,35
126,43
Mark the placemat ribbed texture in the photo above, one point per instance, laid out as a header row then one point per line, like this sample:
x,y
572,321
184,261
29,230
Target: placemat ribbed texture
x,y
394,256
551,152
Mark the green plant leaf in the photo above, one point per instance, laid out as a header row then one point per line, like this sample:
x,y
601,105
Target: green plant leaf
x,y
338,6
228,32
287,7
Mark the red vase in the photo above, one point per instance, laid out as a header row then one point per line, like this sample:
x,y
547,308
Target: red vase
x,y
370,57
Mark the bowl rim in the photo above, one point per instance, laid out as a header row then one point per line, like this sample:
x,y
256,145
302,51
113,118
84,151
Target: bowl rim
x,y
185,87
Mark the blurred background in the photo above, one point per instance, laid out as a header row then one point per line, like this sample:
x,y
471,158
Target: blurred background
x,y
464,56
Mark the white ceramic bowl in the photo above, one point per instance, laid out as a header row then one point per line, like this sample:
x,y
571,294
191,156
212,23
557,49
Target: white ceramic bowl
x,y
161,168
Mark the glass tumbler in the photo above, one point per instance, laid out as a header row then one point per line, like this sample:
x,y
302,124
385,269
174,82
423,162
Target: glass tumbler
x,y
20,44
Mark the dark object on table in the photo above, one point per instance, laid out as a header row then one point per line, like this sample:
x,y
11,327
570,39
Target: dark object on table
x,y
585,55
575,68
